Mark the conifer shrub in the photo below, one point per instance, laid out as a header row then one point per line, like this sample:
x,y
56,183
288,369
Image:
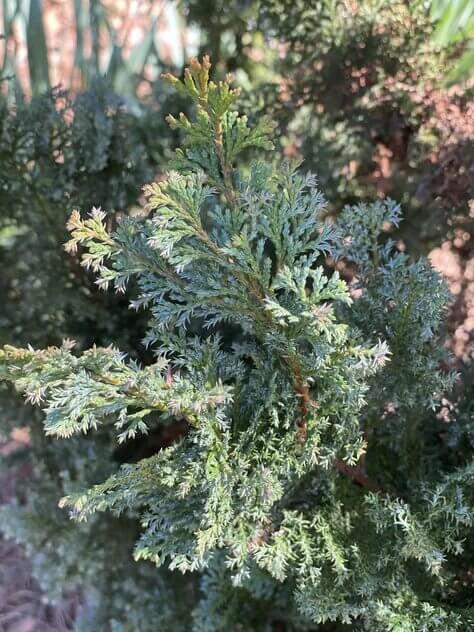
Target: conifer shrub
x,y
306,479
363,98
57,153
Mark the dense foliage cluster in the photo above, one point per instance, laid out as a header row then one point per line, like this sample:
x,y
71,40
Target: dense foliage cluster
x,y
363,97
291,437
285,453
368,109
58,153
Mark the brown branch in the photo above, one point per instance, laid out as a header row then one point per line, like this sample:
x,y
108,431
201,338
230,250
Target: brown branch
x,y
305,401
302,392
358,475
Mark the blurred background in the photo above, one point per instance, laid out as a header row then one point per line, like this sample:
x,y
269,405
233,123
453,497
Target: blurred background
x,y
375,96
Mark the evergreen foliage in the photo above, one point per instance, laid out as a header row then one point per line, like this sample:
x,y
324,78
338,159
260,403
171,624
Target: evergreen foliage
x,y
303,487
59,152
362,99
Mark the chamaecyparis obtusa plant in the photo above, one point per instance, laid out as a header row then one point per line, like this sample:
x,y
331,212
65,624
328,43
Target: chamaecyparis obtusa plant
x,y
301,489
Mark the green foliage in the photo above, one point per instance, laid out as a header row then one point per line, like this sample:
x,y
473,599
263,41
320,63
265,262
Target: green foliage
x,y
289,391
57,154
118,594
455,26
361,98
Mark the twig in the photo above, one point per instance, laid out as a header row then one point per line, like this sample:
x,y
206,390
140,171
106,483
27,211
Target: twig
x,y
358,475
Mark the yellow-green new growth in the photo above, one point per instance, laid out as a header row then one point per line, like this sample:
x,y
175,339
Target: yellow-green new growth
x,y
217,126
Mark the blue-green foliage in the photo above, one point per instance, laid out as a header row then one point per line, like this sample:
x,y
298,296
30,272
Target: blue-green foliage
x,y
281,492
